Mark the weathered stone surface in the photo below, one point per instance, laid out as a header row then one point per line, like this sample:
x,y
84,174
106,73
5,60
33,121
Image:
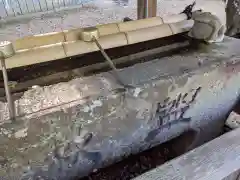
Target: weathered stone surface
x,y
233,17
193,90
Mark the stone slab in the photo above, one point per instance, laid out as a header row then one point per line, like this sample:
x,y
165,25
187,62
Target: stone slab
x,y
216,160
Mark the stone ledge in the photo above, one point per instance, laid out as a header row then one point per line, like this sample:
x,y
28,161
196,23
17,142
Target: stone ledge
x,y
218,159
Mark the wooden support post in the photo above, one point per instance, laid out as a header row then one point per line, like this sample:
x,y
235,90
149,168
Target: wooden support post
x,y
146,8
7,50
152,8
141,9
7,90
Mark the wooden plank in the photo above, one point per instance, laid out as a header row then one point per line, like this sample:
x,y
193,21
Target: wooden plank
x,y
216,160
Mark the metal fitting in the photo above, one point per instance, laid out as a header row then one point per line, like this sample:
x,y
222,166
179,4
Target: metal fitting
x,y
6,49
88,34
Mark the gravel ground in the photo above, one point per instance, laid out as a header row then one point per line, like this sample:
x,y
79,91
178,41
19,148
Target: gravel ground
x,y
98,12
